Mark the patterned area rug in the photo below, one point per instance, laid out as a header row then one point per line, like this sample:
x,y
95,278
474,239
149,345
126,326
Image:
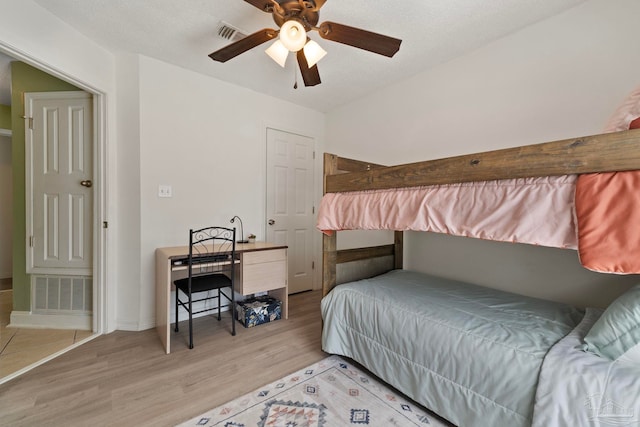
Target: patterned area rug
x,y
330,393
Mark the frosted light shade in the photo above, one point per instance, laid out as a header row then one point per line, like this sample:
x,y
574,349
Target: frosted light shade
x,y
278,52
292,35
313,52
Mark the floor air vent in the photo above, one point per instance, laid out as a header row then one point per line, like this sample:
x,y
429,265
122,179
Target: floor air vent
x,y
229,32
59,294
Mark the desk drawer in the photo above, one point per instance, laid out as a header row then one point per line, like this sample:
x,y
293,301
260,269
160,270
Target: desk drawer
x,y
263,271
257,257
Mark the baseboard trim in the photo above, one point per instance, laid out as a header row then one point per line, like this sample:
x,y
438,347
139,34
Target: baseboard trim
x,y
128,326
26,319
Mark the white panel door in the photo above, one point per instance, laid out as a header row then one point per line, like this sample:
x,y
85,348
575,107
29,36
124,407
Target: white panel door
x,y
59,182
290,202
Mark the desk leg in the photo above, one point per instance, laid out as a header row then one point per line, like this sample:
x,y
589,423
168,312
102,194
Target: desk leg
x,y
281,294
163,300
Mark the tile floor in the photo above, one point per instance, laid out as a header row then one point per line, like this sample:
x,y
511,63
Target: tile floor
x,y
20,347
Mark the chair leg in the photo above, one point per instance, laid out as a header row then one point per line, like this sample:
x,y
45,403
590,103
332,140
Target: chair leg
x,y
176,328
190,323
219,297
233,313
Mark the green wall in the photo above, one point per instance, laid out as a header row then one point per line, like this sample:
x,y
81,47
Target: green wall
x,y
5,117
24,78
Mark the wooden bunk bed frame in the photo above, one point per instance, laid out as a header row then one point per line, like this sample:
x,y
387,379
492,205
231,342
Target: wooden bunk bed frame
x,y
609,152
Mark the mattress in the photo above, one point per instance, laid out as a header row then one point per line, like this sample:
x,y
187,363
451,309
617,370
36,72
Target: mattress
x,y
469,353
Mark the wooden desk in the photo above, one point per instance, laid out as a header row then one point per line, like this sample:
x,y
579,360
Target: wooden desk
x,y
262,268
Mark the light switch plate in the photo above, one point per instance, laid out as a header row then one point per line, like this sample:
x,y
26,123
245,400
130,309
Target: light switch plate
x,y
164,191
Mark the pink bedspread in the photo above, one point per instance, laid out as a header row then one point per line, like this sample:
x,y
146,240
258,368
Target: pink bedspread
x,y
536,211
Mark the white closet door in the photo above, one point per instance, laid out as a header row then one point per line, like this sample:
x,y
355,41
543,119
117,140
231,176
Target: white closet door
x,y
290,200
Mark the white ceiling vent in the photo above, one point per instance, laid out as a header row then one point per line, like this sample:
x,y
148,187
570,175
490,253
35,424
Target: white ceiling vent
x,y
229,32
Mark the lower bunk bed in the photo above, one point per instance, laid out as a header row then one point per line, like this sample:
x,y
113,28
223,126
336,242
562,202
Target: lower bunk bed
x,y
482,357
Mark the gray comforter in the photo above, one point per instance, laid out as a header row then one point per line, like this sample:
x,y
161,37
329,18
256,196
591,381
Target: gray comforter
x,y
469,353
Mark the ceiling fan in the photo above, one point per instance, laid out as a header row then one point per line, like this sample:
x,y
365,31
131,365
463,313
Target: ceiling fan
x,y
295,18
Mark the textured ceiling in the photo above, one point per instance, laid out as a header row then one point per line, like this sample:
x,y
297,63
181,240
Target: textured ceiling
x,y
184,33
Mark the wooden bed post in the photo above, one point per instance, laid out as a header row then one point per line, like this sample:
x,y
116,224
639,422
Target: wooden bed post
x,y
334,166
329,242
398,237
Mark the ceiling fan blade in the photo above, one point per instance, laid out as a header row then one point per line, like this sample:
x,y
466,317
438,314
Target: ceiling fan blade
x,y
311,76
373,42
263,5
243,45
319,4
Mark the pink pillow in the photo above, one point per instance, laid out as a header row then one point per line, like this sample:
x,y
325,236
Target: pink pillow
x,y
608,214
608,208
626,114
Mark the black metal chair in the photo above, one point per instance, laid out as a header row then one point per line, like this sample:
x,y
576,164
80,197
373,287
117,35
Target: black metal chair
x,y
211,270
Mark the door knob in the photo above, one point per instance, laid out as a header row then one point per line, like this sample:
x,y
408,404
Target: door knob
x,y
271,222
86,183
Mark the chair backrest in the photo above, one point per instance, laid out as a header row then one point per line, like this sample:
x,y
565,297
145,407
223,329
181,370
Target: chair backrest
x,y
212,250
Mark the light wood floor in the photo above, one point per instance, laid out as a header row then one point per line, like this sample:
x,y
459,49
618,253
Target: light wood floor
x,y
21,347
126,379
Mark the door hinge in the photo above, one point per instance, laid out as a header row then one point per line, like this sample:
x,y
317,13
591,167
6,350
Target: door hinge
x,y
105,224
313,265
30,122
313,209
31,241
314,155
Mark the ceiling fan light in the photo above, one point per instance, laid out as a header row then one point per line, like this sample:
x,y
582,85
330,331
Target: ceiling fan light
x,y
293,35
278,52
313,52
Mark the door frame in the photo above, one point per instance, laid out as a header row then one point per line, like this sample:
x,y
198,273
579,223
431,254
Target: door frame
x,y
101,294
317,241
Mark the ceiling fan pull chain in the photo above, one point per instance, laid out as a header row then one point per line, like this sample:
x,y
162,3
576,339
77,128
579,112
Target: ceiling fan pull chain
x,y
295,78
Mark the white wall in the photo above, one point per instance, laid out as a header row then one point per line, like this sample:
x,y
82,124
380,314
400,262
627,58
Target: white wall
x,y
128,202
207,140
6,208
560,78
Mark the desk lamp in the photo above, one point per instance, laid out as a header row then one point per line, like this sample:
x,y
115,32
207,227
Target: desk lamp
x,y
242,239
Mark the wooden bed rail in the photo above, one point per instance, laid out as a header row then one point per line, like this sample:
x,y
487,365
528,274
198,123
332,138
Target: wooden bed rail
x,y
358,254
618,151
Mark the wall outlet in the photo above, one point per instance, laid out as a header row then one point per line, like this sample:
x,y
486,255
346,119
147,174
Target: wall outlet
x,y
164,191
